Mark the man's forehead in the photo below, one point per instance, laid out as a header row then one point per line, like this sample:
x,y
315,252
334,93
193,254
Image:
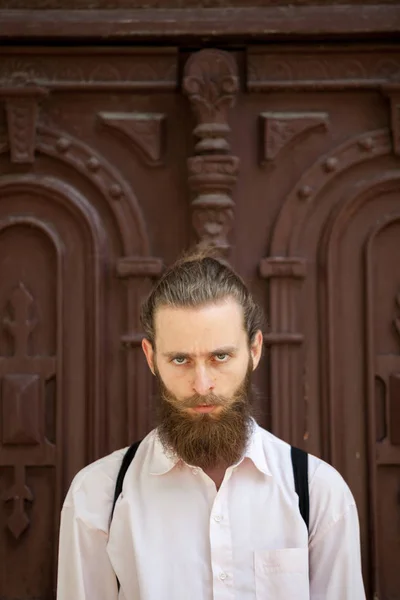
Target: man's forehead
x,y
217,324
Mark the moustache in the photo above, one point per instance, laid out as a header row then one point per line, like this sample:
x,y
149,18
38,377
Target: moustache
x,y
209,400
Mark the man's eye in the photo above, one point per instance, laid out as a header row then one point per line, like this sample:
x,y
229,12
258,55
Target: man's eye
x,y
221,357
179,360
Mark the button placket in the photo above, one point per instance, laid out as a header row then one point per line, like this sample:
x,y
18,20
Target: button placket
x,y
221,547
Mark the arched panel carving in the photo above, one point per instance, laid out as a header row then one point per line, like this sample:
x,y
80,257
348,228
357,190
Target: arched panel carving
x,y
316,385
116,192
301,201
135,265
74,203
23,379
284,292
41,377
358,375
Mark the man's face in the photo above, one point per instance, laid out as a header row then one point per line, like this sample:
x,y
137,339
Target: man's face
x,y
203,364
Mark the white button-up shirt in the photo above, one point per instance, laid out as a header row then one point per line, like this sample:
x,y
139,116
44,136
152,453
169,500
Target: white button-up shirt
x,y
175,537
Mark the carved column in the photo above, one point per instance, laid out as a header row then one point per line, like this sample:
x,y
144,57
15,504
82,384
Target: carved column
x,y
139,274
285,275
211,82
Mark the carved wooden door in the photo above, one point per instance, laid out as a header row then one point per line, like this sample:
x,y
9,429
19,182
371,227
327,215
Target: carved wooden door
x,y
113,161
330,150
82,133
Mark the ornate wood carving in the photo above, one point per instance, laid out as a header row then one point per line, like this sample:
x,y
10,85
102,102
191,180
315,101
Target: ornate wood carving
x,y
280,130
18,494
116,191
284,290
301,201
144,131
21,102
23,377
72,69
211,83
331,69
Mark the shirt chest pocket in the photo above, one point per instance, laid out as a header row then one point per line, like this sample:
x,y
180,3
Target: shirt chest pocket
x,y
282,574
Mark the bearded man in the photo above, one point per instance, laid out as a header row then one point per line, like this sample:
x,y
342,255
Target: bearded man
x,y
208,508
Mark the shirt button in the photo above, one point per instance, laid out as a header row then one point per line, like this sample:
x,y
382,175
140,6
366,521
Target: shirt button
x,y
195,471
218,518
223,576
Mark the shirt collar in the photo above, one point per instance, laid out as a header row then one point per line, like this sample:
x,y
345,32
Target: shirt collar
x,y
255,450
162,462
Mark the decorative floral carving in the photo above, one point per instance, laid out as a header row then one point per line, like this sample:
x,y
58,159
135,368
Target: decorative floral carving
x,y
279,130
211,83
145,132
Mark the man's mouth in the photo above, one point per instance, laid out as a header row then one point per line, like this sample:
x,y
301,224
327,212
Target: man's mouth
x,y
204,408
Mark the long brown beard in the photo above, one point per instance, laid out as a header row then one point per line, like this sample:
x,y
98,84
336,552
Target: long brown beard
x,y
205,440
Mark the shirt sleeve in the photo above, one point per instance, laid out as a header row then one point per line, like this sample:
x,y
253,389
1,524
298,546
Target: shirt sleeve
x,y
84,569
334,549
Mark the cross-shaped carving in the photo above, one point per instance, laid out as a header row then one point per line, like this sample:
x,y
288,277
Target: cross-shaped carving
x,y
22,377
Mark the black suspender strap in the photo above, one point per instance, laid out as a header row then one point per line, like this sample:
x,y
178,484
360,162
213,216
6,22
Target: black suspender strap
x,y
126,461
300,473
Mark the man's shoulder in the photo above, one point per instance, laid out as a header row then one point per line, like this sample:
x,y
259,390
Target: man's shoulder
x,y
100,474
326,485
97,480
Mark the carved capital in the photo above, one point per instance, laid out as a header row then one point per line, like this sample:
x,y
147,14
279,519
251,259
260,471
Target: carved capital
x,y
21,103
211,83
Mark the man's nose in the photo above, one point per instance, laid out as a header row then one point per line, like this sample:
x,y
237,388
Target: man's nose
x,y
202,383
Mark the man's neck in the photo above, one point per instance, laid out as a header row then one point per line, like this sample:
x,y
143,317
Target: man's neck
x,y
217,474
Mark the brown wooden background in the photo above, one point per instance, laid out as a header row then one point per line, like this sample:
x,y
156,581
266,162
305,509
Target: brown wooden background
x,y
126,134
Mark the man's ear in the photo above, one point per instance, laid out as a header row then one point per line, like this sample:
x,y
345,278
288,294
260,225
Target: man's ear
x,y
149,353
256,348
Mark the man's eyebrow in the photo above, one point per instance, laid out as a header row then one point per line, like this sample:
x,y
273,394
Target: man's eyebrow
x,y
222,350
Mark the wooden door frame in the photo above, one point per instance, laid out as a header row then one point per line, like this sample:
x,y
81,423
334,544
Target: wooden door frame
x,y
206,25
